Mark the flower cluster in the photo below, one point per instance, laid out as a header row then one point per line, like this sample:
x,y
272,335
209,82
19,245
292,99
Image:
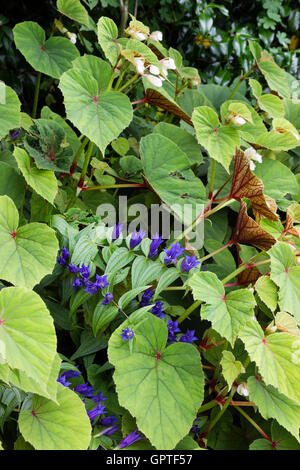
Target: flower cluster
x,y
188,337
146,300
130,439
253,156
83,276
151,72
172,254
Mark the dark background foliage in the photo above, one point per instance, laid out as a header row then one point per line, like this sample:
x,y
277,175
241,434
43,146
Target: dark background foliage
x,y
211,36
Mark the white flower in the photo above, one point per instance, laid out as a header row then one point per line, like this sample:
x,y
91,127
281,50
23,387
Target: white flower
x,y
154,80
156,36
154,70
72,37
168,63
249,152
238,120
252,165
243,389
137,34
139,63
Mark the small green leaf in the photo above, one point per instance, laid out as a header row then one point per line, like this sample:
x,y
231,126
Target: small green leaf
x,y
74,10
272,105
229,313
28,253
107,38
9,111
220,141
231,368
51,426
272,404
119,259
267,291
52,57
170,380
43,182
277,357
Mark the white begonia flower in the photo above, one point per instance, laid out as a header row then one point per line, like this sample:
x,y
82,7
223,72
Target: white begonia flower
x,y
154,80
253,155
252,165
156,36
243,389
168,63
154,70
238,120
139,63
72,37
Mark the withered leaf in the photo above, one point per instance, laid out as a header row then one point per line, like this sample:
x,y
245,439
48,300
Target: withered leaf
x,y
249,275
289,225
246,184
248,232
157,99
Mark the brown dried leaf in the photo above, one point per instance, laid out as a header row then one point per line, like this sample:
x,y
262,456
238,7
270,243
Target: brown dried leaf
x,y
246,184
271,204
249,275
157,99
248,232
289,225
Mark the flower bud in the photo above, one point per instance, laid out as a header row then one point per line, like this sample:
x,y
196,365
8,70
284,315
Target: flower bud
x,y
72,37
243,389
139,63
156,36
154,70
252,165
156,81
238,120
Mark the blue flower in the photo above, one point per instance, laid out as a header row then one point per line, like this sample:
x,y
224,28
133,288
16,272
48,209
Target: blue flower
x,y
84,271
156,310
72,268
97,411
62,379
78,282
107,298
111,430
146,297
15,134
65,253
172,330
98,398
172,253
136,238
130,439
101,281
91,287
117,230
188,337
154,245
188,263
72,373
85,389
61,260
108,420
127,334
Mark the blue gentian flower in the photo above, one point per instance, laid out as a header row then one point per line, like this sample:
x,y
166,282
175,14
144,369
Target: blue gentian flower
x,y
108,420
127,334
97,411
172,330
85,389
107,298
15,134
62,379
136,238
130,439
84,271
156,310
154,245
188,263
117,230
110,431
65,253
101,281
172,253
98,398
146,297
78,282
72,268
188,337
72,373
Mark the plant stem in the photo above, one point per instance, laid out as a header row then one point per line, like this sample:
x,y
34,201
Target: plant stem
x,y
77,156
244,266
216,251
36,94
223,185
212,178
189,310
124,16
243,77
207,406
220,414
203,216
109,186
260,430
127,84
86,163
